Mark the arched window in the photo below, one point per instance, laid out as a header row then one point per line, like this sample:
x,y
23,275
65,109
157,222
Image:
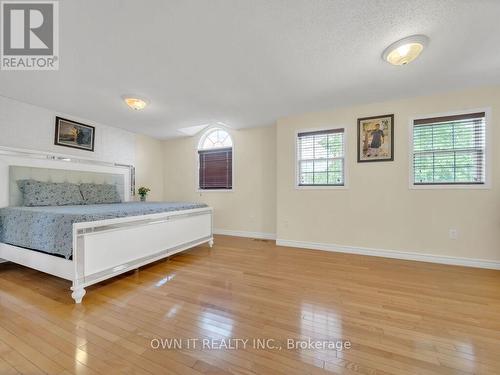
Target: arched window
x,y
215,153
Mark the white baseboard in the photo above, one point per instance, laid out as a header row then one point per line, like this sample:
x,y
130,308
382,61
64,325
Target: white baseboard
x,y
240,233
407,255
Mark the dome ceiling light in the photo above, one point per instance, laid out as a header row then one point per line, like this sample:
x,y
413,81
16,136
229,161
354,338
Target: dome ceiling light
x,y
137,104
405,50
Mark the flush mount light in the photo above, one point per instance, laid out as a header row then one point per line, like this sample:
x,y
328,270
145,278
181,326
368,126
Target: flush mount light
x,y
405,50
135,103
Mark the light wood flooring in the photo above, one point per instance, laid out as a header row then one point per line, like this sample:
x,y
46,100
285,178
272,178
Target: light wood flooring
x,y
400,317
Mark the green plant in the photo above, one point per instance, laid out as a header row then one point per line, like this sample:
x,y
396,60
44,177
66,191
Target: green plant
x,y
143,191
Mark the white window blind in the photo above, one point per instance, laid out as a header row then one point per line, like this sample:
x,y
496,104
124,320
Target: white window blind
x,y
320,158
449,150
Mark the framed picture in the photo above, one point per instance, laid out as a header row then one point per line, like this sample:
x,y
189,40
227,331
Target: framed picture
x,y
74,134
376,138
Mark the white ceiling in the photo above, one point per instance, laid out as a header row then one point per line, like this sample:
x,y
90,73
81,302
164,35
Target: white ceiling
x,y
248,62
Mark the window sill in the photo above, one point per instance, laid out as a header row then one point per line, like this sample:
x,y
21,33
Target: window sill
x,y
321,187
214,190
485,186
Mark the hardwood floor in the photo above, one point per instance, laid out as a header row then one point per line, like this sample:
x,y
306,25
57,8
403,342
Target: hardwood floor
x,y
400,317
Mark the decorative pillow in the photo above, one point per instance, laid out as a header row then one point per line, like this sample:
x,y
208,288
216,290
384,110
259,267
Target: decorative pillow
x,y
39,193
99,193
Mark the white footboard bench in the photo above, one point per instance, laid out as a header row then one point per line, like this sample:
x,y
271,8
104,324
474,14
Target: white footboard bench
x,y
104,249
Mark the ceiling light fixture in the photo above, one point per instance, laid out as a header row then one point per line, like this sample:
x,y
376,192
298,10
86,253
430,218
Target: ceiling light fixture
x,y
135,103
406,50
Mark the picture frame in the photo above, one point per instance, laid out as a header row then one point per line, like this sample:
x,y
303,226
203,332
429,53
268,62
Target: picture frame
x,y
69,133
376,138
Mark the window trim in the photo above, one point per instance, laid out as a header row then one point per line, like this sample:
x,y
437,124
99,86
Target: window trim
x,y
296,159
200,139
452,186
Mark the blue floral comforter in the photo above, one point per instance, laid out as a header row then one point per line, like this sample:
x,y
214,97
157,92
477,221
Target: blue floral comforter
x,y
50,229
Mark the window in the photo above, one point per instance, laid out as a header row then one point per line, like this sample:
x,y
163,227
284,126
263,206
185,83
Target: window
x,y
320,158
449,150
215,158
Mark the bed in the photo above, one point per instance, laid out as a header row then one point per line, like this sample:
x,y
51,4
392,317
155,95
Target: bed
x,y
90,243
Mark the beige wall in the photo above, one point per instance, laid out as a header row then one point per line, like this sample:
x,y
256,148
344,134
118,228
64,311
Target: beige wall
x,y
30,127
378,210
26,126
251,206
149,166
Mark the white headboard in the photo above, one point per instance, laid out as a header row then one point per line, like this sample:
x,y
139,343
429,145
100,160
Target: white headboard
x,y
17,173
44,167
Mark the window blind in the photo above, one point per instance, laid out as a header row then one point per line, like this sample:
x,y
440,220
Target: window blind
x,y
449,150
320,158
216,169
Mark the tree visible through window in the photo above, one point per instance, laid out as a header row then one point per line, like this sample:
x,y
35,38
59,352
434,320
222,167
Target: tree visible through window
x,y
320,158
215,154
449,150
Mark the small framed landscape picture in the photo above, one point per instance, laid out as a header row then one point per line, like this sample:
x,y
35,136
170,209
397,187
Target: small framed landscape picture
x,y
74,134
376,138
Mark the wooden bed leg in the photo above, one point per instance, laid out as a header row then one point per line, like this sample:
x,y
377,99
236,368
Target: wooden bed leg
x,y
211,243
78,293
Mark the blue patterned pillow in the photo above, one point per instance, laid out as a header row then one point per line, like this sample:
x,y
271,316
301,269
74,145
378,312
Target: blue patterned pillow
x,y
99,193
39,193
